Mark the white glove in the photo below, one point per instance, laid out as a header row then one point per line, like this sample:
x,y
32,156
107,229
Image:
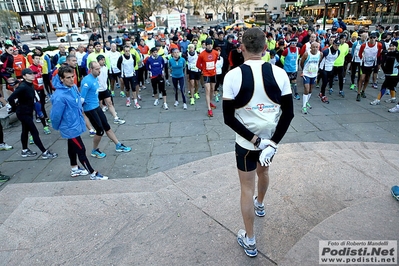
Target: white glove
x,y
266,142
9,108
266,156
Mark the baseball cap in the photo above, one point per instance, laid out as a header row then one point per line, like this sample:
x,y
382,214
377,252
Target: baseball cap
x,y
373,35
336,41
208,41
334,28
27,71
12,81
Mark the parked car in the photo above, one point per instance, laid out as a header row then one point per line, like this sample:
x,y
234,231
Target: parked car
x,y
132,32
38,36
74,37
221,25
364,21
329,21
156,29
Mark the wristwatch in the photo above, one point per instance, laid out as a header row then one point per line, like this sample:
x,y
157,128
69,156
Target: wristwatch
x,y
257,142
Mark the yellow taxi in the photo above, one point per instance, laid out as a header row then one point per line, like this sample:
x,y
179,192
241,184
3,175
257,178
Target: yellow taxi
x,y
349,20
60,33
329,21
363,21
240,24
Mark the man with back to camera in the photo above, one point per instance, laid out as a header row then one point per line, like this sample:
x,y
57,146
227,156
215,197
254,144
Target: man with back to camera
x,y
259,111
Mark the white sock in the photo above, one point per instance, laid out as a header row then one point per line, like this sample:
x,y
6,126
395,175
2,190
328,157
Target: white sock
x,y
304,100
135,101
74,168
251,241
309,97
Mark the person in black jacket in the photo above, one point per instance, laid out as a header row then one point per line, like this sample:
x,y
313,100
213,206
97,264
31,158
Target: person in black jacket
x,y
7,66
25,93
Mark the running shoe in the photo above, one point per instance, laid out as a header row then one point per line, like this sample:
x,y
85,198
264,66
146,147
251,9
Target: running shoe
x,y
98,176
358,98
176,104
49,155
375,102
97,154
250,250
112,93
128,103
167,82
212,105
165,106
342,94
297,97
259,208
122,148
4,178
394,109
330,91
156,102
184,106
324,99
217,98
308,105
28,153
375,85
119,121
5,147
46,131
105,108
363,94
352,87
147,81
122,94
78,172
160,96
196,96
139,97
192,101
304,110
391,100
137,105
395,192
210,113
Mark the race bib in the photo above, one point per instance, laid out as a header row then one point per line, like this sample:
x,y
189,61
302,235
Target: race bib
x,y
40,81
210,65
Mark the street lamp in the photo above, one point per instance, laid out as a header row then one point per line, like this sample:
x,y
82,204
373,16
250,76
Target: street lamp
x,y
45,22
326,2
99,11
265,7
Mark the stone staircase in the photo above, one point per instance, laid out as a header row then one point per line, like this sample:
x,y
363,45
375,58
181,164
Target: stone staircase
x,y
189,215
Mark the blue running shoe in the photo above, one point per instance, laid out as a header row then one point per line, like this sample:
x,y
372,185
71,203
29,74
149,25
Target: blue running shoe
x,y
297,97
122,148
259,208
97,154
395,192
330,91
98,176
250,250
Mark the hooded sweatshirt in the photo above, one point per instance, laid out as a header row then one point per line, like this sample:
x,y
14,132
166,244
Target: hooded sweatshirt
x,y
67,112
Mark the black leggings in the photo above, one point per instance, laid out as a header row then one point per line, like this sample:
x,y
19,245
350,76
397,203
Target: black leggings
x,y
47,84
77,148
355,67
130,83
339,70
29,126
141,77
158,83
98,120
181,83
327,78
42,97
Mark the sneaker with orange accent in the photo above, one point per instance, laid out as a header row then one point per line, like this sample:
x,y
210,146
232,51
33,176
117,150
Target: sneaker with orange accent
x,y
212,106
210,113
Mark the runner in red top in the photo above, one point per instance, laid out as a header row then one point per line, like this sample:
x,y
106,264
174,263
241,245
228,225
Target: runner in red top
x,y
207,64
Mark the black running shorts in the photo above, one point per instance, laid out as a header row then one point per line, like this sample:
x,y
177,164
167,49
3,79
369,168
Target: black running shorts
x,y
247,160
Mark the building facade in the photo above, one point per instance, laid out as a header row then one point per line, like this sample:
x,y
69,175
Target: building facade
x,y
53,14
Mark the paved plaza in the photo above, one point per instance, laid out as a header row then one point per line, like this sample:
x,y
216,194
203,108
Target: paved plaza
x,y
174,200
